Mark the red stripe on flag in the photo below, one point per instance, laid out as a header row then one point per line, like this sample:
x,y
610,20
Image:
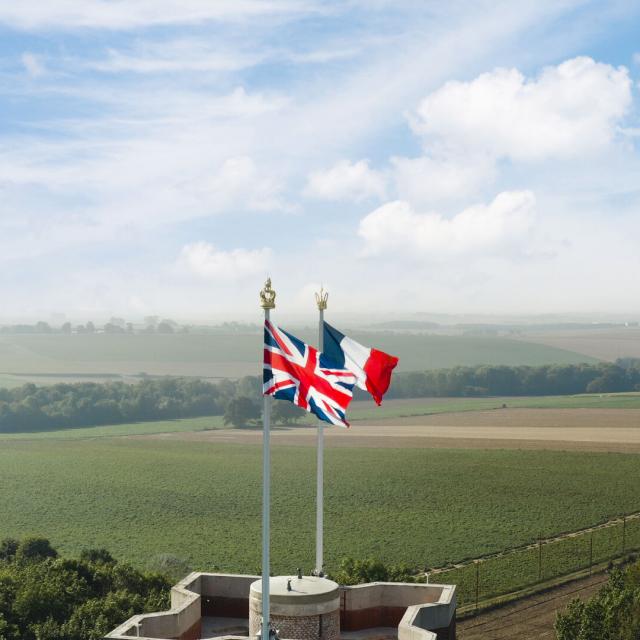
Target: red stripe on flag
x,y
378,368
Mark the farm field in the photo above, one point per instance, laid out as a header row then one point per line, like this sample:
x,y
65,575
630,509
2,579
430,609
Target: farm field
x,y
603,344
115,430
361,410
611,430
201,501
409,411
47,359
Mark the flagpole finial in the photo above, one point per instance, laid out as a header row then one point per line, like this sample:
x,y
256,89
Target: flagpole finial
x,y
268,296
321,299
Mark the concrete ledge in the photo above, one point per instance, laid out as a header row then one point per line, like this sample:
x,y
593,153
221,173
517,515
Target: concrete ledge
x,y
188,598
389,604
430,620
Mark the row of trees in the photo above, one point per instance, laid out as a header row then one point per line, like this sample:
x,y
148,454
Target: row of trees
x,y
490,380
32,408
115,325
151,324
46,597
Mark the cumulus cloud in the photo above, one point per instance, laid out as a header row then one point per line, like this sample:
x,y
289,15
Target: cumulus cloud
x,y
347,181
493,228
206,261
467,128
566,111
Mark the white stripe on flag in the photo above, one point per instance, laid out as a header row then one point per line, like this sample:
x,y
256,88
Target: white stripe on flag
x,y
355,357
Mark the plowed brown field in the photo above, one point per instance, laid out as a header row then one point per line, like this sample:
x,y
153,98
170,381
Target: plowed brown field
x,y
559,429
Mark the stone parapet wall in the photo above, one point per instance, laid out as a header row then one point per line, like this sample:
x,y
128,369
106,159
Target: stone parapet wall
x,y
191,598
419,611
384,604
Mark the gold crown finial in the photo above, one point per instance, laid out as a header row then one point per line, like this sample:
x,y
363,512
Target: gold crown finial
x,y
268,296
321,299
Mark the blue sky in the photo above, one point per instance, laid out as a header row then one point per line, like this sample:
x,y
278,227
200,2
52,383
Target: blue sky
x,y
163,156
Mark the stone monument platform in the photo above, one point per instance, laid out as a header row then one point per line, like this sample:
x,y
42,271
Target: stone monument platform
x,y
305,608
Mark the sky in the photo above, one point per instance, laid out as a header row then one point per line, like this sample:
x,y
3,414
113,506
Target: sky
x,y
165,156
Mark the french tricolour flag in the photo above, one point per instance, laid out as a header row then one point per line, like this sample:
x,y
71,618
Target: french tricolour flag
x,y
372,368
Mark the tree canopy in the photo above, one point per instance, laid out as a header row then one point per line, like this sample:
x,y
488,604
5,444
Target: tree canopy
x,y
46,597
612,614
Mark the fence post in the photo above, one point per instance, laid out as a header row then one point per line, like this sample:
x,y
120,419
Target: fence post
x,y
540,558
624,533
591,553
477,583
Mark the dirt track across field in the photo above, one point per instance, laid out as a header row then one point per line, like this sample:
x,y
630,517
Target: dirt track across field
x,y
613,430
528,618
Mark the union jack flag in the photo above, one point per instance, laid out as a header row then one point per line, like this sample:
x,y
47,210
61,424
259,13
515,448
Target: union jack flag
x,y
296,372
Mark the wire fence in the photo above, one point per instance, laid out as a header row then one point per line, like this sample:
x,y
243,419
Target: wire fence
x,y
546,560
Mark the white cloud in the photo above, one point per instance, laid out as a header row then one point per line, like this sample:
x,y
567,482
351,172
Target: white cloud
x,y
321,56
239,182
429,181
347,181
566,111
186,54
130,14
32,64
205,261
496,227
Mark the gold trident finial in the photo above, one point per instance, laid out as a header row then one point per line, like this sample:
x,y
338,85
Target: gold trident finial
x,y
321,299
268,296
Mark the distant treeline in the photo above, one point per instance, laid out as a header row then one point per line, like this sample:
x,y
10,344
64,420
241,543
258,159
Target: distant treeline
x,y
151,325
33,408
499,380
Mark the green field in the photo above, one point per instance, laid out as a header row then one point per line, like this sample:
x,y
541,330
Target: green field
x,y
114,430
46,359
429,406
525,567
202,501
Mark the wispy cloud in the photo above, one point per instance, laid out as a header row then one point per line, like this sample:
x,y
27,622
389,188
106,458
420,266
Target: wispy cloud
x,y
173,56
73,14
32,64
206,261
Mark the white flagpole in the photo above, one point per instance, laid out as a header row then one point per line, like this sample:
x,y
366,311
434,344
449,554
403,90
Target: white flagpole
x,y
321,300
267,302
